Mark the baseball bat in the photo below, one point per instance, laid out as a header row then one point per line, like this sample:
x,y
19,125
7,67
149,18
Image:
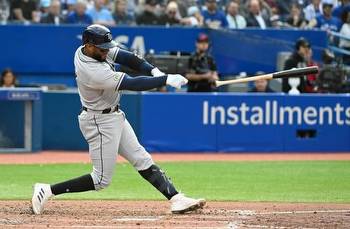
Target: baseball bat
x,y
281,74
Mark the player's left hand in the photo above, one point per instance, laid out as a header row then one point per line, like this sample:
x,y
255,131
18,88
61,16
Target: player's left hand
x,y
156,72
176,80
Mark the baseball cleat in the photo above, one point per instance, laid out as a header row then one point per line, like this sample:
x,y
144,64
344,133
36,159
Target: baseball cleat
x,y
181,204
41,194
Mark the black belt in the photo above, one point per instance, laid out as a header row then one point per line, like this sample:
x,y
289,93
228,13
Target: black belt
x,y
105,111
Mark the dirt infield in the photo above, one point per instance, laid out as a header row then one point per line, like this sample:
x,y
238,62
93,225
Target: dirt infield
x,y
156,214
49,157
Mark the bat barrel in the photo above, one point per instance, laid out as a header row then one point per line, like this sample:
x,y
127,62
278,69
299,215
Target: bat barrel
x,y
295,72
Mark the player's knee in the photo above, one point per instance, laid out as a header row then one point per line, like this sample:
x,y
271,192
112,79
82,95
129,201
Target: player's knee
x,y
144,162
101,181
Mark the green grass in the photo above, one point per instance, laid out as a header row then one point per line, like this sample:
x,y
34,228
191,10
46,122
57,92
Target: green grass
x,y
296,181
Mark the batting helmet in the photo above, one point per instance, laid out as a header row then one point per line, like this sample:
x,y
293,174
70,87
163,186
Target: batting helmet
x,y
98,35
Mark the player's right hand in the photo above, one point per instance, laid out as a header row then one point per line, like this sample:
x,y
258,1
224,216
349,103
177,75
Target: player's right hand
x,y
176,80
156,72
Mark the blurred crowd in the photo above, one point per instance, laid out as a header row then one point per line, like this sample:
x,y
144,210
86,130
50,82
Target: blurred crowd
x,y
329,15
323,14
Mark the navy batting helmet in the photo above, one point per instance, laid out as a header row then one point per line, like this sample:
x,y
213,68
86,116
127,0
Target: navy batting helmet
x,y
98,35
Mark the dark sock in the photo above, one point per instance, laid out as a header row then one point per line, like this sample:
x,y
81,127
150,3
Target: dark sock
x,y
157,178
79,184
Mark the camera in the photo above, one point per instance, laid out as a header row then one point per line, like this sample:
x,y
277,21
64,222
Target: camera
x,y
332,76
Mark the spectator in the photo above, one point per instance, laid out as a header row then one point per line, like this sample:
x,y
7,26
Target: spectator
x,y
265,9
243,9
312,10
261,85
284,7
132,6
214,18
148,16
68,6
297,60
328,58
54,15
275,19
202,71
234,19
89,4
311,79
100,14
272,3
44,6
4,11
79,15
345,31
340,9
109,4
326,21
296,19
121,16
220,3
255,18
8,79
25,11
184,5
171,16
194,18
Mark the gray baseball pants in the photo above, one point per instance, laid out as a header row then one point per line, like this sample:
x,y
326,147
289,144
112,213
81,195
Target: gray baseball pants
x,y
108,135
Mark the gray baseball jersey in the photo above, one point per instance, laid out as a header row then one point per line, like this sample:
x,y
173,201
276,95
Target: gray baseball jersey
x,y
106,133
97,81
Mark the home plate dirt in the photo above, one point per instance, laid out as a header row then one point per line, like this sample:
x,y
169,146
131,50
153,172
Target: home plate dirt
x,y
156,214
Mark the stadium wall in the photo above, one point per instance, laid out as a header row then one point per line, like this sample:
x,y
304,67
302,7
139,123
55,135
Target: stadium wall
x,y
219,122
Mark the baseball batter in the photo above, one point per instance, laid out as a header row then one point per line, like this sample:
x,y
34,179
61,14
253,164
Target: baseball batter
x,y
104,124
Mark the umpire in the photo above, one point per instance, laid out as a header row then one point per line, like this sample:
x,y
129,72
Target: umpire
x,y
201,68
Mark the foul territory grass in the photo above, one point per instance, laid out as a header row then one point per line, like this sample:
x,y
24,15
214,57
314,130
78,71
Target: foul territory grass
x,y
293,181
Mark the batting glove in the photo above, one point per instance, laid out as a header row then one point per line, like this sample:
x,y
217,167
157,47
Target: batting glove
x,y
176,80
156,72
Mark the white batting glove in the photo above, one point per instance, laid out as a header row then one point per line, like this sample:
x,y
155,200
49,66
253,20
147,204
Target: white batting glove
x,y
156,72
176,80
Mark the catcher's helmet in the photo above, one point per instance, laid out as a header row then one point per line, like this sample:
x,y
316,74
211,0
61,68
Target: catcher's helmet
x,y
98,35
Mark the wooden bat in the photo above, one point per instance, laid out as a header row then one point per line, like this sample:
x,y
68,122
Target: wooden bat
x,y
281,74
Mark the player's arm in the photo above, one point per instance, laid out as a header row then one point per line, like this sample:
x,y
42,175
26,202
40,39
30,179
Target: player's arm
x,y
143,83
109,79
134,62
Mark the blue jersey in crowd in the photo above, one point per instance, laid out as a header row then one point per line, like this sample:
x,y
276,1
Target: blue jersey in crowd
x,y
101,15
338,11
218,16
333,23
74,18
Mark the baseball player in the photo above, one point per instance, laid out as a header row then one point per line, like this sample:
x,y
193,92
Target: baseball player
x,y
104,125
